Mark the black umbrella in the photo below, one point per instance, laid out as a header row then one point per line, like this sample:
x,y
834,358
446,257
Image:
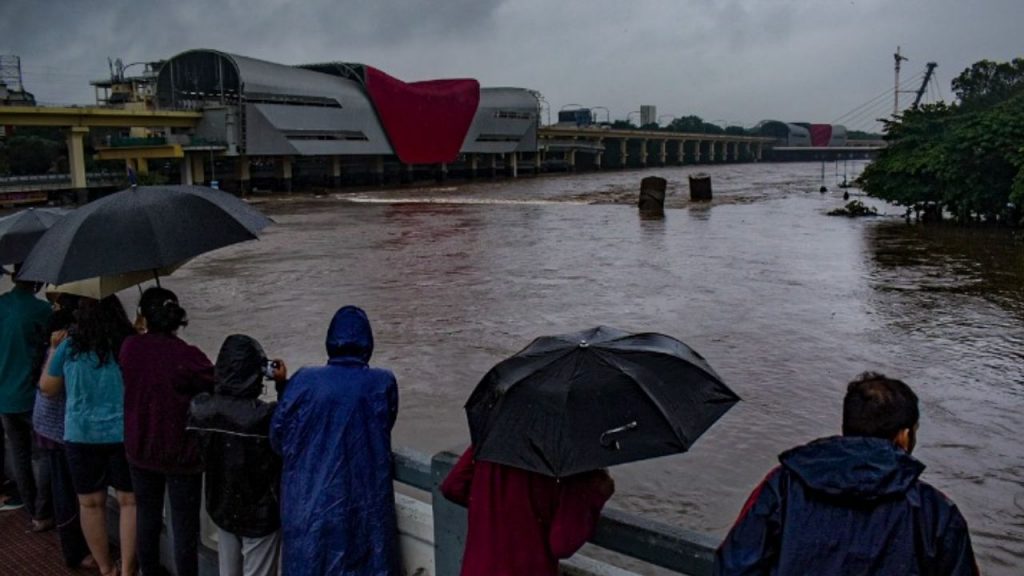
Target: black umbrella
x,y
582,401
20,231
143,228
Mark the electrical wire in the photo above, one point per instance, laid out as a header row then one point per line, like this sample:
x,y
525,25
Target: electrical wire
x,y
881,97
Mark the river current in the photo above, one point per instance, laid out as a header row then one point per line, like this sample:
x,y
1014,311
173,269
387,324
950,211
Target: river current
x,y
786,303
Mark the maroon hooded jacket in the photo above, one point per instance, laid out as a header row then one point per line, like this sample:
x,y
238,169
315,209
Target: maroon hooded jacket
x,y
523,522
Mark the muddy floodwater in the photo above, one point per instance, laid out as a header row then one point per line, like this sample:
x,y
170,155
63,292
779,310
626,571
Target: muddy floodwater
x,y
786,303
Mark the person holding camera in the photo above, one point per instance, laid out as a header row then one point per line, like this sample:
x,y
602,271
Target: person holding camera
x,y
162,373
243,474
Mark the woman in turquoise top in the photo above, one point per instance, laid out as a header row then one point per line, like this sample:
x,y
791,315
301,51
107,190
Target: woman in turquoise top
x,y
84,365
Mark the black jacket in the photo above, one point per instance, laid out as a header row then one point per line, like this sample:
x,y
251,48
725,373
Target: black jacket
x,y
243,474
846,505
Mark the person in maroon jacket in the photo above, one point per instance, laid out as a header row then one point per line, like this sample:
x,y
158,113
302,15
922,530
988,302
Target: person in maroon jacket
x,y
522,522
162,373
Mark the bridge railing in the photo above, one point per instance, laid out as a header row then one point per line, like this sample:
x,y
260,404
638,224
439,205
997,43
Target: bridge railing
x,y
649,541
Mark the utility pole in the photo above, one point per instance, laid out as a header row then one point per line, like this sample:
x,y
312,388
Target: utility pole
x,y
896,89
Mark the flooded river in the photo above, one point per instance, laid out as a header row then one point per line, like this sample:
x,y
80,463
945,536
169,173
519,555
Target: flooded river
x,y
786,303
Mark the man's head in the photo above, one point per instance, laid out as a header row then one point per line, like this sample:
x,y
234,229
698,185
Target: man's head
x,y
880,407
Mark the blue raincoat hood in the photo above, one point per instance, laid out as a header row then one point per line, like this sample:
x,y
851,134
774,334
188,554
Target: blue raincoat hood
x,y
350,335
856,467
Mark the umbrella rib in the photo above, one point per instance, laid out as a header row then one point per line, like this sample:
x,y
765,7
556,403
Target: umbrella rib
x,y
657,404
708,371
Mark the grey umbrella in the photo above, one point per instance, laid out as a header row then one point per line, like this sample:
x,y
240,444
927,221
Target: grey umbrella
x,y
142,228
20,231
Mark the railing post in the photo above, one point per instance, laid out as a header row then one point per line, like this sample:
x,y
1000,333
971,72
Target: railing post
x,y
450,520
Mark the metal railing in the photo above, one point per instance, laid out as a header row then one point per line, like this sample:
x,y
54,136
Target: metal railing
x,y
646,540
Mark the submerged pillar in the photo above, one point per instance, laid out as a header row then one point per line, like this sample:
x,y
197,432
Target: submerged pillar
x,y
76,162
494,165
597,160
662,152
198,171
284,172
378,169
243,174
571,159
537,161
679,153
442,172
472,166
514,164
711,151
186,169
336,171
623,153
643,152
758,155
696,151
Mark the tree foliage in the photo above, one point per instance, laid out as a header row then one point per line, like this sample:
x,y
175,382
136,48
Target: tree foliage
x,y
966,159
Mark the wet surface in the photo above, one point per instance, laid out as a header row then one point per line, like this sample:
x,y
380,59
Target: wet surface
x,y
786,303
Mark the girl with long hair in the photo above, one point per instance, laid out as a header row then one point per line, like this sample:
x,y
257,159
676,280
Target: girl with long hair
x,y
83,364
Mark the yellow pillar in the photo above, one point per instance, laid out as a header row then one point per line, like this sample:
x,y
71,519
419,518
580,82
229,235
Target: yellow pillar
x,y
198,171
76,156
142,166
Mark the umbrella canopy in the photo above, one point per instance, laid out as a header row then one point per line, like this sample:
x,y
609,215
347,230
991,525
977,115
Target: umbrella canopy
x,y
143,228
582,401
102,286
20,231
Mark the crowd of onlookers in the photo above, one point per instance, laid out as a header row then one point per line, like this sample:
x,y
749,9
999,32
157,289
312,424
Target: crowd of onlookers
x,y
91,401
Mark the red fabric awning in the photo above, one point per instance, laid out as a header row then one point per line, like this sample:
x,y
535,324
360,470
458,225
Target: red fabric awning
x,y
426,122
821,134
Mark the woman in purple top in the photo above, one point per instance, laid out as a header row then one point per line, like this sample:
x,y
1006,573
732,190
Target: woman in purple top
x,y
162,373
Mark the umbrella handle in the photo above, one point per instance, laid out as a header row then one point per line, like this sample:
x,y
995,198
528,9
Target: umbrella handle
x,y
607,442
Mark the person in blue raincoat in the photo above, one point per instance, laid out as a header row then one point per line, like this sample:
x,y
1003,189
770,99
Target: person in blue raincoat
x,y
852,504
333,432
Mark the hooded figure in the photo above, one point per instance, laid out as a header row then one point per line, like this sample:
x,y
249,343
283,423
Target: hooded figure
x,y
242,472
333,432
847,505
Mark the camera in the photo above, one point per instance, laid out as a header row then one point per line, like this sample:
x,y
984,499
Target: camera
x,y
269,368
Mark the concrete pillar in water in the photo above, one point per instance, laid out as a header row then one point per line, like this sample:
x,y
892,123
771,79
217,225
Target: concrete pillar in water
x,y
442,172
643,152
284,172
696,151
662,152
700,186
472,166
537,161
243,173
624,152
711,151
76,162
514,164
378,170
746,149
494,165
336,171
571,159
758,155
652,196
681,152
198,171
597,160
186,169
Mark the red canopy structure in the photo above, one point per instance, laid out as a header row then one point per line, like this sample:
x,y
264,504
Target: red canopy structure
x,y
426,122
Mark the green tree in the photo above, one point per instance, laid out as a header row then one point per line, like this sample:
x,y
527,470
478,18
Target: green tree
x,y
32,154
986,83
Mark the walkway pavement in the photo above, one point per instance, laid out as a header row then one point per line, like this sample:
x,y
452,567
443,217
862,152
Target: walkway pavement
x,y
23,553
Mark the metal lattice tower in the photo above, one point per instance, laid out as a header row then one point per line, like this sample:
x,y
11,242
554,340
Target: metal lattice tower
x,y
10,72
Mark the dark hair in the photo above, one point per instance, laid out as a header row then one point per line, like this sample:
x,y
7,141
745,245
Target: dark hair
x,y
161,310
878,407
102,327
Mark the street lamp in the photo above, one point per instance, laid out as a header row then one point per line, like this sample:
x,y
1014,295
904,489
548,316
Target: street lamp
x,y
607,113
672,116
630,114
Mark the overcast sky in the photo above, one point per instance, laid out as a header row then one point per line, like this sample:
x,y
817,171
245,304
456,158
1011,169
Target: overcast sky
x,y
736,61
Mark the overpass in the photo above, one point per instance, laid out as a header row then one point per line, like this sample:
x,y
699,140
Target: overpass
x,y
641,148
78,121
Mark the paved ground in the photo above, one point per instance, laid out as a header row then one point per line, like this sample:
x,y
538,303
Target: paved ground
x,y
23,553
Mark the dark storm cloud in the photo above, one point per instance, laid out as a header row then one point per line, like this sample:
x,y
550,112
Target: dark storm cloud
x,y
727,60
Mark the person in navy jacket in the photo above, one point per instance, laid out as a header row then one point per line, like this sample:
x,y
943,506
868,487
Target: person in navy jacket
x,y
852,504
